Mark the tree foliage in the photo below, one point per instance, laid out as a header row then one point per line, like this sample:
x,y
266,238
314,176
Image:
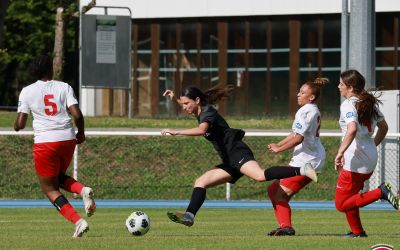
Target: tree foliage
x,y
28,32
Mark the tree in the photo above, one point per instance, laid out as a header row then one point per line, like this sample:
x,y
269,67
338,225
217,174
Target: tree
x,y
3,10
29,31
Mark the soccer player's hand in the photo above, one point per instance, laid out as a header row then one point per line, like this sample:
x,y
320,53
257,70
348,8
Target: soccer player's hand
x,y
168,131
339,161
273,147
169,93
80,137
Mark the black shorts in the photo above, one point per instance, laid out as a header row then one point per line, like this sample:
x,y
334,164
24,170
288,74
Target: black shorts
x,y
236,161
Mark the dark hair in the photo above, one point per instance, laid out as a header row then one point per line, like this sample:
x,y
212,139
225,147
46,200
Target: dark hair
x,y
41,66
367,103
316,86
210,96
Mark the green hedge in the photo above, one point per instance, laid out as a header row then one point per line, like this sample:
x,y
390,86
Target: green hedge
x,y
151,168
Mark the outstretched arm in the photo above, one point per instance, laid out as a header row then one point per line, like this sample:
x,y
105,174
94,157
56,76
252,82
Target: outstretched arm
x,y
172,96
289,142
200,130
288,138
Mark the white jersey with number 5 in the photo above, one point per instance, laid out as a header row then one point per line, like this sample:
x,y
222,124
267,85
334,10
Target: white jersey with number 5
x,y
361,156
48,102
307,123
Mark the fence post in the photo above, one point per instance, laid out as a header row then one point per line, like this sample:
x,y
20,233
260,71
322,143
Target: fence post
x,y
228,191
75,170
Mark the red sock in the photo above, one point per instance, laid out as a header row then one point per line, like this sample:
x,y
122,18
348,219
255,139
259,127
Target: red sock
x,y
353,218
272,189
69,213
360,200
72,186
284,213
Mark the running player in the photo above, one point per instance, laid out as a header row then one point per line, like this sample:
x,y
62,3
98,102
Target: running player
x,y
357,155
307,149
237,157
52,103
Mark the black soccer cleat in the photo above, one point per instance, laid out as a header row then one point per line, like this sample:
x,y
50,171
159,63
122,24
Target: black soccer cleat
x,y
387,194
272,233
286,231
186,218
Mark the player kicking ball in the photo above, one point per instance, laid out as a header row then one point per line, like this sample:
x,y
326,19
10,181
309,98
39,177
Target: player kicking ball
x,y
237,158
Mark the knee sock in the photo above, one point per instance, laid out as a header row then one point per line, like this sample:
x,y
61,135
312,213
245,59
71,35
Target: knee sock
x,y
197,200
65,209
363,199
285,214
280,172
272,189
70,184
353,218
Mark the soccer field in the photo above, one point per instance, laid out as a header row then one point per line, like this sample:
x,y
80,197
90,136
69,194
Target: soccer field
x,y
43,228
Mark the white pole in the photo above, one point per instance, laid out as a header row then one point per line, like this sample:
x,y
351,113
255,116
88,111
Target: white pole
x,y
75,173
75,170
228,191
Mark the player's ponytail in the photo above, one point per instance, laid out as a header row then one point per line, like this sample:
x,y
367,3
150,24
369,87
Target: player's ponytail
x,y
210,96
316,86
367,107
367,103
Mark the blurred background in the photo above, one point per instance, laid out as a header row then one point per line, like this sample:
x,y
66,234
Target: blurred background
x,y
265,49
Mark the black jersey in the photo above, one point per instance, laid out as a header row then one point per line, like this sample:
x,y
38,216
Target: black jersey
x,y
226,141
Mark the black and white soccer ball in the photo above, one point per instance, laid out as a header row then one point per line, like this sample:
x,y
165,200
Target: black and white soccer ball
x,y
138,223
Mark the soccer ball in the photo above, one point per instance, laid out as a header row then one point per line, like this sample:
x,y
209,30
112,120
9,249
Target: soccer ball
x,y
138,223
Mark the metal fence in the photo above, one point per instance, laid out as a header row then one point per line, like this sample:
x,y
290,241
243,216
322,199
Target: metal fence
x,y
144,165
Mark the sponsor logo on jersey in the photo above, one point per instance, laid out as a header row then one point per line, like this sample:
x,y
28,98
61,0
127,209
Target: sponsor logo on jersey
x,y
349,114
382,247
298,125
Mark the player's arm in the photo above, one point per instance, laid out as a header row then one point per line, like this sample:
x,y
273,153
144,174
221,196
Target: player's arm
x,y
172,96
288,138
79,122
382,131
20,121
347,140
200,130
289,142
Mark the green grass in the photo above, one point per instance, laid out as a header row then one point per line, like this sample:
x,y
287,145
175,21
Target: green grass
x,y
267,122
214,229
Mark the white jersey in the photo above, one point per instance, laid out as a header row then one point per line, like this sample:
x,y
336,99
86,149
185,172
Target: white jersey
x,y
48,102
361,156
307,123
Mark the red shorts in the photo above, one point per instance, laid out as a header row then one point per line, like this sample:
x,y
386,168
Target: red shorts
x,y
295,183
53,158
350,182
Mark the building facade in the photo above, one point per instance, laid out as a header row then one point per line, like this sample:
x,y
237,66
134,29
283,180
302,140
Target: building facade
x,y
264,50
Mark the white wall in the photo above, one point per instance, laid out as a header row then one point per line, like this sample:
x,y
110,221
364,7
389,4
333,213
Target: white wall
x,y
203,8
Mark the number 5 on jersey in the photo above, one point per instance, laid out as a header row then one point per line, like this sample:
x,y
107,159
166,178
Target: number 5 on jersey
x,y
51,107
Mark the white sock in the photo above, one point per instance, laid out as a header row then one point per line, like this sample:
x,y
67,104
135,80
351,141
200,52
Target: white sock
x,y
302,171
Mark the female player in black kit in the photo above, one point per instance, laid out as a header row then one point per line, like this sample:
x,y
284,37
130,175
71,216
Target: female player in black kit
x,y
237,157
